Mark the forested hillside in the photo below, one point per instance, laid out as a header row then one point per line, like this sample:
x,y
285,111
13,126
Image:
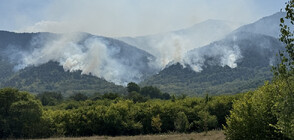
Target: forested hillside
x,y
256,54
51,77
39,62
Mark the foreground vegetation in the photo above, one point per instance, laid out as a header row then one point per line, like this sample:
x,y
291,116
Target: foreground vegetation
x,y
22,114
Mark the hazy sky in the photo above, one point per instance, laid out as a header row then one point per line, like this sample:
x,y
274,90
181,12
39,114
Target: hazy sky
x,y
126,17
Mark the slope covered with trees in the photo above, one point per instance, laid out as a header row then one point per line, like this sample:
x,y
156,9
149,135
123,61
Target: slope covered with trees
x,y
257,54
51,77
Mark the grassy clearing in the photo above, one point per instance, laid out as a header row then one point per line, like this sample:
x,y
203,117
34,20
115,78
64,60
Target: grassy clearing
x,y
211,135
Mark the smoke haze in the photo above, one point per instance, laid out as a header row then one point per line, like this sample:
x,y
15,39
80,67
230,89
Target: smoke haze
x,y
126,17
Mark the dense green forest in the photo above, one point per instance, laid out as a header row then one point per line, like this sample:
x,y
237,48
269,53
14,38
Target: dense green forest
x,y
24,115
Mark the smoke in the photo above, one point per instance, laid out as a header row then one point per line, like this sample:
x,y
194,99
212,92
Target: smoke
x,y
171,47
116,61
92,55
167,49
214,54
184,48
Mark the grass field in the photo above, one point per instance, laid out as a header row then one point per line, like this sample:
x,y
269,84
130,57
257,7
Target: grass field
x,y
211,135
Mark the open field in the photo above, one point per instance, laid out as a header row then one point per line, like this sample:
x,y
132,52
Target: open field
x,y
211,135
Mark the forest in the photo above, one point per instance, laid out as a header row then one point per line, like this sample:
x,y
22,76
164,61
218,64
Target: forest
x,y
27,116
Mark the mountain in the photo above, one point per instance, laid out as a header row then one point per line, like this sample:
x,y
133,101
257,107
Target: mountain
x,y
269,25
108,61
202,34
210,57
238,63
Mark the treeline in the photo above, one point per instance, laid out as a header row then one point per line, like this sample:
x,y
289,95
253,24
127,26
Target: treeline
x,y
22,114
135,93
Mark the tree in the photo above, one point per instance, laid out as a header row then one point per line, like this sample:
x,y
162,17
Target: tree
x,y
50,98
268,113
156,123
165,96
284,71
25,116
79,97
181,122
152,92
110,96
7,97
133,87
136,97
286,67
252,117
20,114
206,121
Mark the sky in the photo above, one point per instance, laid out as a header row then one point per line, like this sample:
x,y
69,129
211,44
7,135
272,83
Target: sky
x,y
116,18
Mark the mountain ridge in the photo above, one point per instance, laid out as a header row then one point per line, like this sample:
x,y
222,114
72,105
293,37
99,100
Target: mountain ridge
x,y
238,62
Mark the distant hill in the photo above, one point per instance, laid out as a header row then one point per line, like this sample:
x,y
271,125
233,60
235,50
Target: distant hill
x,y
269,25
240,62
200,34
26,61
52,77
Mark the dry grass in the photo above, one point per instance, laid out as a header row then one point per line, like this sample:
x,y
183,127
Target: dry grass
x,y
211,135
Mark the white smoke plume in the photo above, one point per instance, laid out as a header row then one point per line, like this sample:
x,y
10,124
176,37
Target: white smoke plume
x,y
171,47
220,55
95,56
